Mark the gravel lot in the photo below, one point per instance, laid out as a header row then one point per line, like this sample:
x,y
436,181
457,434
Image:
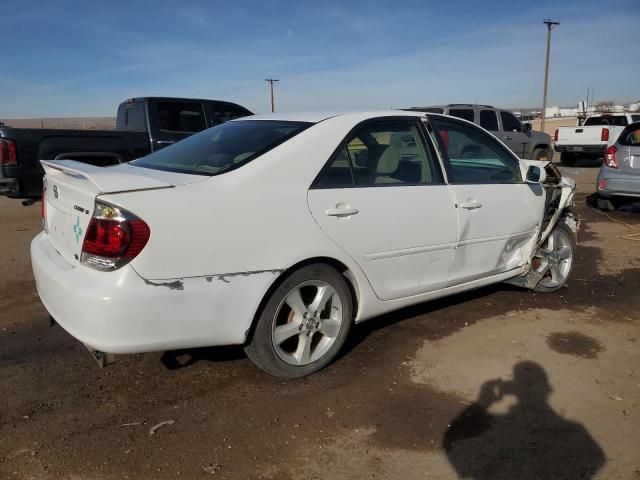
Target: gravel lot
x,y
497,383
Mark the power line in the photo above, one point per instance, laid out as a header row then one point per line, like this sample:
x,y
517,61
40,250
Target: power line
x,y
550,24
271,82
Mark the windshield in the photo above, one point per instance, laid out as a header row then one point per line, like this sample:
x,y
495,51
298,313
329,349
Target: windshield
x,y
222,148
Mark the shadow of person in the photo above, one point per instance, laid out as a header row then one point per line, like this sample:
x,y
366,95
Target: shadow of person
x,y
530,441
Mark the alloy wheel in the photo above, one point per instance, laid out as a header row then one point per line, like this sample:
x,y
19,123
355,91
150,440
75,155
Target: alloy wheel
x,y
307,322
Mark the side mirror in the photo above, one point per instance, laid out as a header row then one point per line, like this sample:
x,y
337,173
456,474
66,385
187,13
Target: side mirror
x,y
535,174
527,126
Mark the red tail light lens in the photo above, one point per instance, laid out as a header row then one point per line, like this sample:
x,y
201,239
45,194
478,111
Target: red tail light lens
x,y
8,155
604,135
555,135
610,159
114,237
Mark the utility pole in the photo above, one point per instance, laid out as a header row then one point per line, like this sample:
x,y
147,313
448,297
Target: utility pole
x,y
550,24
271,81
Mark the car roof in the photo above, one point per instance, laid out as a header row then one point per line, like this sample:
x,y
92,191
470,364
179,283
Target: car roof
x,y
449,105
315,117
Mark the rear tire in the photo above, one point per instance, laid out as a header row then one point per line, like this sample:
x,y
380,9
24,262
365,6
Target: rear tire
x,y
542,154
555,259
568,159
303,324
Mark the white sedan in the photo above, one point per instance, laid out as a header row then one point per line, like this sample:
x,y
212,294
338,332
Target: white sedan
x,y
279,232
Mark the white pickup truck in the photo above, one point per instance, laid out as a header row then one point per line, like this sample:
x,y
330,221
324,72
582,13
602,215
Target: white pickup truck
x,y
591,139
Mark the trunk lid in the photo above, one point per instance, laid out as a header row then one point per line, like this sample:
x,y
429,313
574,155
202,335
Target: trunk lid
x,y
71,188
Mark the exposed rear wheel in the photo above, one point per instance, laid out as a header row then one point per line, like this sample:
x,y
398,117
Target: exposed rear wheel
x,y
554,259
304,323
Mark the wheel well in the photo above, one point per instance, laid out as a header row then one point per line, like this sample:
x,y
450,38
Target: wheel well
x,y
542,146
338,265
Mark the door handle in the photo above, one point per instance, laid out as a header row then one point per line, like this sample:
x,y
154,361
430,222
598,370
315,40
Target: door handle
x,y
471,205
165,142
507,137
341,211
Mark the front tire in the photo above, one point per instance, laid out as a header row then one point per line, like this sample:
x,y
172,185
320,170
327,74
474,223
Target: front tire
x,y
303,324
554,259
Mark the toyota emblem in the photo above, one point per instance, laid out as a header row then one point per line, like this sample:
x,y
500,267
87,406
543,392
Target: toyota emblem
x,y
55,191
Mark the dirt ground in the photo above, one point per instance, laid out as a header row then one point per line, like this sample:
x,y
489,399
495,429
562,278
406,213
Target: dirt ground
x,y
497,383
82,123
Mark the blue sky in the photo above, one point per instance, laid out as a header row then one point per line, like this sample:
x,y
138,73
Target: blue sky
x,y
81,58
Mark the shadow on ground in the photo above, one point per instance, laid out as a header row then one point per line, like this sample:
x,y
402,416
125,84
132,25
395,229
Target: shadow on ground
x,y
530,441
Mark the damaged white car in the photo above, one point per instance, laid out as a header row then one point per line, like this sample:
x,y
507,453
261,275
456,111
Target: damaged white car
x,y
279,232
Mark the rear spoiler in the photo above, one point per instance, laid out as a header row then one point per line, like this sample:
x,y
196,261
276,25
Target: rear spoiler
x,y
104,179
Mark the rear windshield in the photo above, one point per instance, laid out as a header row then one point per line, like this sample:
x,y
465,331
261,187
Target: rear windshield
x,y
612,120
631,136
223,147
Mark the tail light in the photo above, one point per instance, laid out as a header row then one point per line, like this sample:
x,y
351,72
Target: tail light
x,y
114,237
8,155
610,159
604,135
555,135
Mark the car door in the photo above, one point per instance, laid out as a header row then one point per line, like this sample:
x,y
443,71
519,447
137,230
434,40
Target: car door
x,y
381,197
498,214
513,135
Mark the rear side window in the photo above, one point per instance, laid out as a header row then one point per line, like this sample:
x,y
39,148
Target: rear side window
x,y
181,116
464,113
489,120
510,123
387,152
222,148
221,112
472,156
134,118
635,118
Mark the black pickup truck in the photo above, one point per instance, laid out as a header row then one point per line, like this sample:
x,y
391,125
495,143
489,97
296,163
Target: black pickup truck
x,y
143,125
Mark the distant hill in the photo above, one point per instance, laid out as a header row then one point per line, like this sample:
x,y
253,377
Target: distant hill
x,y
82,123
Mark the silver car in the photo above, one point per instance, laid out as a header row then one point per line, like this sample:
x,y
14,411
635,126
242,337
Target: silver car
x,y
619,175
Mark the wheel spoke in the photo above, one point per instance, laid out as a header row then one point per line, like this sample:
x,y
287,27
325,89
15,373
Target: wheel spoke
x,y
330,327
564,253
285,332
303,352
294,300
325,292
551,241
555,273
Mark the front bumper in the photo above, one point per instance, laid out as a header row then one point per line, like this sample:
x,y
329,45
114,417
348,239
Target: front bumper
x,y
121,312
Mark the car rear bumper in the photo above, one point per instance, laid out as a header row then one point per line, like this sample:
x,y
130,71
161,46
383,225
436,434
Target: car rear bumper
x,y
615,183
121,312
9,187
579,149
